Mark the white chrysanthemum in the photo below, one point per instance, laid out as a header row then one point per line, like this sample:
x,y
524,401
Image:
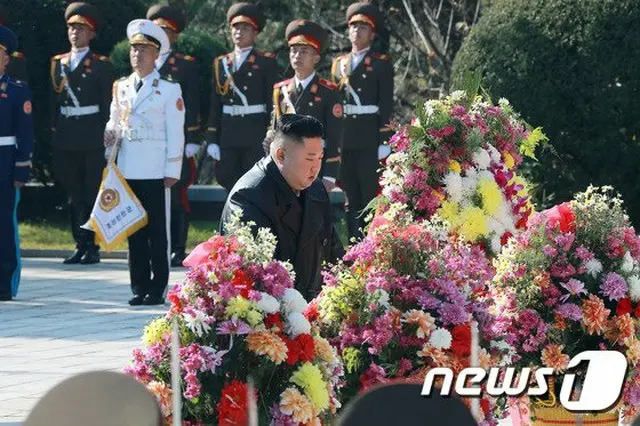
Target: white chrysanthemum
x,y
634,287
268,304
383,298
297,324
440,338
627,262
458,96
453,186
593,267
494,154
495,243
486,175
197,322
495,226
482,159
469,184
293,301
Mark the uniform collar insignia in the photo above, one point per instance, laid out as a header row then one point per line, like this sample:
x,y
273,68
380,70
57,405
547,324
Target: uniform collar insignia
x,y
3,86
314,88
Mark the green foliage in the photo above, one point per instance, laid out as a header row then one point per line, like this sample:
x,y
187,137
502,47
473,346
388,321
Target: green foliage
x,y
570,66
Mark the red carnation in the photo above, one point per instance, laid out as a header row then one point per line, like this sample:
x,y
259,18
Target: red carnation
x,y
485,405
299,349
637,311
561,216
311,313
505,237
461,343
624,307
274,320
232,408
243,281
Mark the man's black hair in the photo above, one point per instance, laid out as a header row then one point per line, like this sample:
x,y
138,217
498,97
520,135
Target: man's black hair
x,y
296,127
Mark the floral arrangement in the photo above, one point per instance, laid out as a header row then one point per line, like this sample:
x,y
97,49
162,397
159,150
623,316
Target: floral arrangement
x,y
572,281
406,303
457,160
240,320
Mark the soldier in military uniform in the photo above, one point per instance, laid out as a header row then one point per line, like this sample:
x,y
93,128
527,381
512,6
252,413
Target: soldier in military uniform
x,y
241,99
147,116
17,67
366,79
16,146
82,82
183,69
308,94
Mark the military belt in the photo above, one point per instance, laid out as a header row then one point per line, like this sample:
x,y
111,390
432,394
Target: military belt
x,y
350,109
143,134
7,140
69,111
234,110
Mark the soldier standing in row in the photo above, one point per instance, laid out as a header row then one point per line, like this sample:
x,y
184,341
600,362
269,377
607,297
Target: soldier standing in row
x,y
241,98
16,146
180,68
308,94
147,116
366,79
17,67
82,82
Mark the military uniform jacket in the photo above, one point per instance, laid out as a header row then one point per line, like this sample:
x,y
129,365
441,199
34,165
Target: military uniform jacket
x,y
368,99
150,123
302,225
228,125
17,68
321,99
183,69
80,101
16,130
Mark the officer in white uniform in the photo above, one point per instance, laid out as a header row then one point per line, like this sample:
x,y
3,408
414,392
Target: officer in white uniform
x,y
147,117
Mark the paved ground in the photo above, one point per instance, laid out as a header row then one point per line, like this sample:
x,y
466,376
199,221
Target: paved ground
x,y
66,320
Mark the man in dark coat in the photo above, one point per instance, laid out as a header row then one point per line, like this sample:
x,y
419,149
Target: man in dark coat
x,y
282,193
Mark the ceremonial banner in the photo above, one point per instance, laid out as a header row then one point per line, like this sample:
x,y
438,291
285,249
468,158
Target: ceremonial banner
x,y
117,212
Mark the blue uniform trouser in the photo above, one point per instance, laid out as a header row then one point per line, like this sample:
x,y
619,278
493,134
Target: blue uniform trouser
x,y
9,246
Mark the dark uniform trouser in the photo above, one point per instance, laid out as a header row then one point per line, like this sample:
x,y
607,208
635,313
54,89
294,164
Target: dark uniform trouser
x,y
359,177
235,162
80,174
180,206
148,246
9,268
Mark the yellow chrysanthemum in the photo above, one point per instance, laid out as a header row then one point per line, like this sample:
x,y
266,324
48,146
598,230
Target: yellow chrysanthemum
x,y
309,378
322,349
269,344
473,223
155,331
449,212
238,307
508,160
254,318
296,405
454,166
491,195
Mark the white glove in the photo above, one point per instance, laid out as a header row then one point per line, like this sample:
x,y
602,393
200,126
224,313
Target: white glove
x,y
191,149
214,151
383,151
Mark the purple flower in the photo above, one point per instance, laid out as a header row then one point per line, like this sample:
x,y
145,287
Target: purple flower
x,y
614,287
574,287
453,314
278,418
569,311
549,250
234,326
429,302
633,396
584,254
